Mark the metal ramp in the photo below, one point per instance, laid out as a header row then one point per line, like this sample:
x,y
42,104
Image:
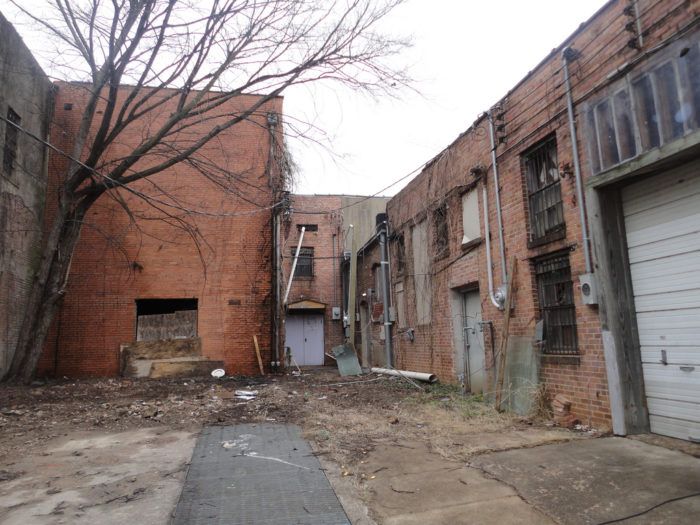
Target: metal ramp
x,y
256,474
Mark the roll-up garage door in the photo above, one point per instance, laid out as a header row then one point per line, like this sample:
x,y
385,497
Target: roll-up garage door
x,y
662,219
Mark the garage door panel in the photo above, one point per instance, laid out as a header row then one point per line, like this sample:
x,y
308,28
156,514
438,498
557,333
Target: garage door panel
x,y
679,301
682,218
675,355
673,246
677,428
671,383
682,182
662,221
667,274
674,409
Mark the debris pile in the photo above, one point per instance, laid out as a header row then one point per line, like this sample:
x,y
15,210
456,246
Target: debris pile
x,y
561,406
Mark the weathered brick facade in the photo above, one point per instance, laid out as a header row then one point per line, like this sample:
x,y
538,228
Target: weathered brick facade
x,y
320,212
533,110
26,92
119,260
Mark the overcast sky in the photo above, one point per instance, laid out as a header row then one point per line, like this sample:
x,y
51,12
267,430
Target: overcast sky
x,y
466,55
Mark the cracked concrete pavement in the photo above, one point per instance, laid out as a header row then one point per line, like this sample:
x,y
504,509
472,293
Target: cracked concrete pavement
x,y
99,477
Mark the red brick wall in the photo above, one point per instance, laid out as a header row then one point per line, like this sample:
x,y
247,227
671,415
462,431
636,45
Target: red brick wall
x,y
534,109
118,260
327,242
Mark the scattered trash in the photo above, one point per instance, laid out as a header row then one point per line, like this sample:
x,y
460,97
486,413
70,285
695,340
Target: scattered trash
x,y
218,373
322,398
246,394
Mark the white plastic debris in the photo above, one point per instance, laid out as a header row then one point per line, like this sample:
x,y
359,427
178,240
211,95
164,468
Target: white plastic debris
x,y
246,394
219,372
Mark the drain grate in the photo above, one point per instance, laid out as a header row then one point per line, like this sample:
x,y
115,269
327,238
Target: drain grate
x,y
256,474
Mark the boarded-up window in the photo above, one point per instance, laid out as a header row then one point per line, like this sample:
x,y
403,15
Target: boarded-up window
x,y
159,319
471,226
421,273
555,292
400,305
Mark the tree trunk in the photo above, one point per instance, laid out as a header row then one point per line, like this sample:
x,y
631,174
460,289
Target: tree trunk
x,y
47,289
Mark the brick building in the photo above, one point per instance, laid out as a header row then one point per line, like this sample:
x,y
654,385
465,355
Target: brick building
x,y
25,100
315,317
615,330
133,273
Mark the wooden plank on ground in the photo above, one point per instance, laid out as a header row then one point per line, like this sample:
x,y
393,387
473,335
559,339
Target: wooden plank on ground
x,y
504,334
257,353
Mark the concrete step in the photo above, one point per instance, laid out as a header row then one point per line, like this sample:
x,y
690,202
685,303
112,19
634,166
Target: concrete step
x,y
182,367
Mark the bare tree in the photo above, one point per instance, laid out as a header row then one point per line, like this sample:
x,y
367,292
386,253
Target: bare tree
x,y
192,58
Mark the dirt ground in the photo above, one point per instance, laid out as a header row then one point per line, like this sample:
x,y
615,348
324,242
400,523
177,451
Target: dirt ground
x,y
122,446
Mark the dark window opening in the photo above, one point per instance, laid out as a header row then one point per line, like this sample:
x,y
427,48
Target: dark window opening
x,y
440,231
309,227
159,319
400,254
305,262
11,141
544,192
555,292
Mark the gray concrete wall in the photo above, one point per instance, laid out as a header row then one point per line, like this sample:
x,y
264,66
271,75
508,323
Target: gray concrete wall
x,y
361,212
27,90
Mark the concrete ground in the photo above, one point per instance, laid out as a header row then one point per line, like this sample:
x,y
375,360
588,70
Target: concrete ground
x,y
99,477
601,480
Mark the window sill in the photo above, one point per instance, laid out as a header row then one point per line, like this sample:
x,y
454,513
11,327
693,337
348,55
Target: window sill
x,y
304,277
550,237
471,244
561,359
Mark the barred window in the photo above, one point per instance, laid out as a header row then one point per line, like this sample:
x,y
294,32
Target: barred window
x,y
11,138
544,192
555,291
305,263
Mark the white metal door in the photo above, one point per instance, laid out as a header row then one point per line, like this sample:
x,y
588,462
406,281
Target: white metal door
x,y
313,340
294,336
473,342
662,219
304,336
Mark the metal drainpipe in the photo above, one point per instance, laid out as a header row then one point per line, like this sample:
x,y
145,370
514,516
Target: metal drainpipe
x,y
566,54
276,346
501,242
383,229
489,270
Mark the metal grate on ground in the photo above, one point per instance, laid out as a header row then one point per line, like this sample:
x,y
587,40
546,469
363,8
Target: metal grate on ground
x,y
256,474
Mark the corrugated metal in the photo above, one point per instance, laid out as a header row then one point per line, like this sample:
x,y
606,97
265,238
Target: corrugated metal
x,y
662,219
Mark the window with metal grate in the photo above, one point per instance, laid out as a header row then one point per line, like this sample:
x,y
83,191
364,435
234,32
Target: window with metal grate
x,y
305,263
555,292
544,192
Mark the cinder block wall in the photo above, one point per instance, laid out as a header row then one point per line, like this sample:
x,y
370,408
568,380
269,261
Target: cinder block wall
x,y
534,109
119,260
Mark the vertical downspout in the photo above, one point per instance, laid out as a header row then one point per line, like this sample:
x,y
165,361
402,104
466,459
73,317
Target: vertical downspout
x,y
276,345
566,54
382,224
501,242
489,270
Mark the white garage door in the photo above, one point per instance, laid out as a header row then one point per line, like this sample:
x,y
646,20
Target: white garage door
x,y
304,337
662,218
